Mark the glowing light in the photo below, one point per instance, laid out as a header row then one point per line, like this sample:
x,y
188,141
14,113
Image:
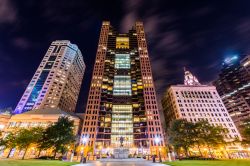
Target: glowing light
x,y
190,79
246,64
231,59
84,139
157,139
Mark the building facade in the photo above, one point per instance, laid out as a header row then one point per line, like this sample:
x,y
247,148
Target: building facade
x,y
57,81
195,102
122,106
4,119
233,85
41,118
37,118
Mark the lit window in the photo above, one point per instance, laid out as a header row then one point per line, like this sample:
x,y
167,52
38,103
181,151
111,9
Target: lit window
x,y
122,85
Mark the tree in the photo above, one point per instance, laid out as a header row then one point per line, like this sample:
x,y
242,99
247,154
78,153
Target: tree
x,y
9,142
182,134
6,110
27,137
187,134
245,128
59,135
44,142
198,130
212,135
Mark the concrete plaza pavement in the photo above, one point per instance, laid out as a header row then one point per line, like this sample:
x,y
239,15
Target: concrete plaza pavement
x,y
120,162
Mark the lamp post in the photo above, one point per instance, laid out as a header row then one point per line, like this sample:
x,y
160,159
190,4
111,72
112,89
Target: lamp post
x,y
100,151
169,153
157,141
84,141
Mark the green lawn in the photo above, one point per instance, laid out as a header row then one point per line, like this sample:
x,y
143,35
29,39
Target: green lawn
x,y
9,162
210,163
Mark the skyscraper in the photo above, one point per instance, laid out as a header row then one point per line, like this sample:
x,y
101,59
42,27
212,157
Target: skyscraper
x,y
57,81
195,102
122,106
233,86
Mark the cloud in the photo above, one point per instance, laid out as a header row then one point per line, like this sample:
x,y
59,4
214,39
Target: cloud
x,y
163,38
243,28
201,12
21,42
131,8
128,21
7,12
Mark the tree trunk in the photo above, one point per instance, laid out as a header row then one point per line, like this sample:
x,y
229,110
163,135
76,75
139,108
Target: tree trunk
x,y
209,149
186,152
24,153
9,153
200,150
39,152
229,157
54,155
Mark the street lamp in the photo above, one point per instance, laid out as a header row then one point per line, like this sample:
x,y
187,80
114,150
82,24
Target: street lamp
x,y
157,141
84,141
169,153
100,151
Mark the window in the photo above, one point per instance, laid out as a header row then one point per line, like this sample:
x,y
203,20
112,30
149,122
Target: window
x,y
122,61
122,42
122,85
122,125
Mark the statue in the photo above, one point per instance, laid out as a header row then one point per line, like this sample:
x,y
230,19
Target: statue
x,y
121,141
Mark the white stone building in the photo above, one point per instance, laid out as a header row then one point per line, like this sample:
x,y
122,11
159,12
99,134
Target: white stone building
x,y
194,102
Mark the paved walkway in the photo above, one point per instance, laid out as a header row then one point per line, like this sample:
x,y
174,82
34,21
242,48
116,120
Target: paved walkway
x,y
121,162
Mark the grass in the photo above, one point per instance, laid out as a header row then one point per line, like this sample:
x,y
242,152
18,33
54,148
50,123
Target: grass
x,y
210,163
10,162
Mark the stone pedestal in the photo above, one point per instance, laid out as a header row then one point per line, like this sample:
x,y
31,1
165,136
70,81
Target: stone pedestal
x,y
121,153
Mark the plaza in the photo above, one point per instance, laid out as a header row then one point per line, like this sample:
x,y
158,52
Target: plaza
x,y
125,162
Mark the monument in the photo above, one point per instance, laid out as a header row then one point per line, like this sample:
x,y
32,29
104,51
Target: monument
x,y
121,152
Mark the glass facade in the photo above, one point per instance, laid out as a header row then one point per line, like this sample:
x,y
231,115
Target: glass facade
x,y
122,116
36,90
122,61
122,125
122,85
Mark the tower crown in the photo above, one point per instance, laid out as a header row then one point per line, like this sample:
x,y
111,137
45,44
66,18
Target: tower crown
x,y
189,78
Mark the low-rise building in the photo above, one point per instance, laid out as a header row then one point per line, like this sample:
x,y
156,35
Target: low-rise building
x,y
4,119
39,118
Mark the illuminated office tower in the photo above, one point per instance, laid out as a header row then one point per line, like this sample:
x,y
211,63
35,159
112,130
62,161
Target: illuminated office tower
x,y
195,102
122,105
57,81
233,85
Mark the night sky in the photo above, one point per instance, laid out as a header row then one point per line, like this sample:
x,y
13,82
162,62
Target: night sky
x,y
195,34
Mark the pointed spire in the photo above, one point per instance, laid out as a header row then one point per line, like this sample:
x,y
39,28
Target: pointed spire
x,y
189,78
